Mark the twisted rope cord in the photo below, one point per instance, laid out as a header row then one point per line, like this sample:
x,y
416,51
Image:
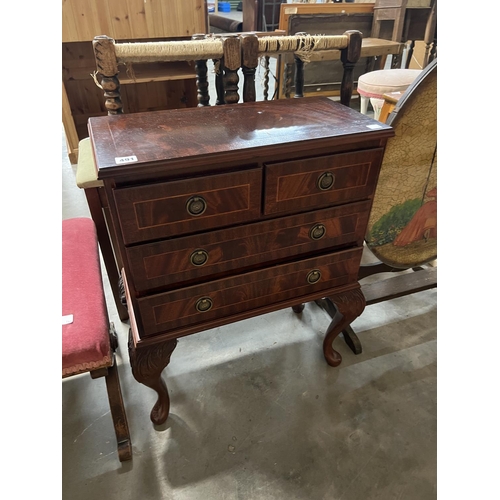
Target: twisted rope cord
x,y
302,46
212,48
188,50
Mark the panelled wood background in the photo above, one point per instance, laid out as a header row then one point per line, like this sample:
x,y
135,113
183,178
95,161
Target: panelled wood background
x,y
82,20
152,87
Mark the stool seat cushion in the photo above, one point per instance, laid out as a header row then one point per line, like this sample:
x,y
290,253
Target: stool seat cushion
x,y
377,83
86,171
85,340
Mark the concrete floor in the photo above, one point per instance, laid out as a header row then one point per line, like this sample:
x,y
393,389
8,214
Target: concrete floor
x,y
257,414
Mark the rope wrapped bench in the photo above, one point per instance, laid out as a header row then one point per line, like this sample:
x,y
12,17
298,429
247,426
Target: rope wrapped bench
x,y
88,338
229,53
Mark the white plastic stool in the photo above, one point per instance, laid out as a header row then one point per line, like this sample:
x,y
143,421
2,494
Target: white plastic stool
x,y
372,86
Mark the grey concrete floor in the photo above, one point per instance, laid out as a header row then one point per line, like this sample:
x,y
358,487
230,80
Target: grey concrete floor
x,y
257,414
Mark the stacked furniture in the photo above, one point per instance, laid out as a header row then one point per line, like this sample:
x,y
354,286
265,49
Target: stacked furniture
x,y
387,27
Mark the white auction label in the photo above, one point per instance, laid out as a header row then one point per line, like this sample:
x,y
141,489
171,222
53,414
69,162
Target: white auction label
x,y
125,159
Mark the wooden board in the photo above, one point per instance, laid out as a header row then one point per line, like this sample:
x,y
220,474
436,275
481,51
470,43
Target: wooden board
x,y
320,8
132,19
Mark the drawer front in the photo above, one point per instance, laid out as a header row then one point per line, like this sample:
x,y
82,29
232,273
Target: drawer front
x,y
222,298
167,209
321,181
160,264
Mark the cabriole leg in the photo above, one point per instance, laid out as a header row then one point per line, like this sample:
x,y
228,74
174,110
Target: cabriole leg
x,y
349,305
147,365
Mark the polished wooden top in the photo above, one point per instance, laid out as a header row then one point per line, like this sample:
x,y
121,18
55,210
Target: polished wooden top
x,y
132,141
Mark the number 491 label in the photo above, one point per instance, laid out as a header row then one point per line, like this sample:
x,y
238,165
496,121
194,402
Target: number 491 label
x,y
125,159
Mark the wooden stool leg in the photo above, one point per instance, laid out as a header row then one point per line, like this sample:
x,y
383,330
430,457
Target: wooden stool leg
x,y
363,105
377,106
118,414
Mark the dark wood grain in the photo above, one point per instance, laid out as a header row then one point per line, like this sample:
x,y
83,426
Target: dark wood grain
x,y
250,60
349,58
202,84
176,309
245,246
236,132
167,262
295,184
231,63
155,211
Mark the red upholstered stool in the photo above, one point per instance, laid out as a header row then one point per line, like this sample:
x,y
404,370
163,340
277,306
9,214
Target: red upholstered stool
x,y
88,339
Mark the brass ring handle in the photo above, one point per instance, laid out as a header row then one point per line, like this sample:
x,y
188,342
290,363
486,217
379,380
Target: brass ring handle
x,y
196,205
199,257
317,232
325,181
313,276
204,304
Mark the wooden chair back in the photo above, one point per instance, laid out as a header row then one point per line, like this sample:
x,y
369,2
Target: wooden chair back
x,y
389,10
229,54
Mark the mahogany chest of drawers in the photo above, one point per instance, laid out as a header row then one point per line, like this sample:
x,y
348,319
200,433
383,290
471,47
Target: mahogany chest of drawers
x,y
227,212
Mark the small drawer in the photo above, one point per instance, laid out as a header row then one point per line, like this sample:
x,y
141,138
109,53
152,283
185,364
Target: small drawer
x,y
228,296
321,181
167,209
160,264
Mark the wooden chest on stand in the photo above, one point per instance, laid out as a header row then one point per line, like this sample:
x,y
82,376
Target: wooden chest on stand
x,y
227,212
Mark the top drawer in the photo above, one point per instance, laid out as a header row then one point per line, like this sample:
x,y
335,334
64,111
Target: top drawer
x,y
171,208
321,181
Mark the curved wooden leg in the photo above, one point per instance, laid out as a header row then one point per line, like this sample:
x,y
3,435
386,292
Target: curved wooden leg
x,y
147,365
298,308
349,305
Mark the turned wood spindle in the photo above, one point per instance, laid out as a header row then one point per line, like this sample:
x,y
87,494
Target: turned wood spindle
x,y
287,78
107,67
201,70
231,63
266,78
250,59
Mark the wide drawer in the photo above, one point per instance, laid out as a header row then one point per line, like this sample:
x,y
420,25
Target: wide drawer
x,y
167,209
228,296
160,264
321,181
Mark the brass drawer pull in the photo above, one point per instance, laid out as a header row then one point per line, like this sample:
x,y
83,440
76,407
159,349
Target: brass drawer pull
x,y
314,276
196,205
204,304
317,232
325,181
199,257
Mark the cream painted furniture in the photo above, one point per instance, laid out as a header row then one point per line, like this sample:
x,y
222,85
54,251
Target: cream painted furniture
x,y
372,86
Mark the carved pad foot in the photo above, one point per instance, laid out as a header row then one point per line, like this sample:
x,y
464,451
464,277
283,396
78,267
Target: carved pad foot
x,y
349,305
147,365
